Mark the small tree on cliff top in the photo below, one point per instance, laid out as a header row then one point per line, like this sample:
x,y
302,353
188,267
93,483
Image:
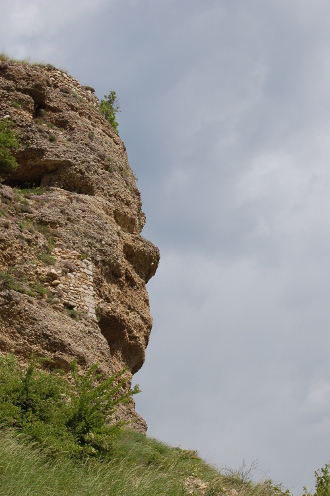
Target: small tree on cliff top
x,y
109,107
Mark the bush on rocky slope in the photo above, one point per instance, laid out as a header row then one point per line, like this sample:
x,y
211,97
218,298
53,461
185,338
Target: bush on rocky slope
x,y
8,143
72,415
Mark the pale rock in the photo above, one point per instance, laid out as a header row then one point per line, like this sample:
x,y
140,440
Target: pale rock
x,y
82,199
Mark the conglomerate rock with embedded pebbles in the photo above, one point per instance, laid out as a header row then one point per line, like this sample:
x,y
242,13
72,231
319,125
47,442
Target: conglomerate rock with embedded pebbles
x,y
73,265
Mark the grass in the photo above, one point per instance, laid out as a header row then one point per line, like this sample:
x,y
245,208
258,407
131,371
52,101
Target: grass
x,y
72,313
47,259
4,57
140,466
8,143
21,284
12,283
26,192
39,289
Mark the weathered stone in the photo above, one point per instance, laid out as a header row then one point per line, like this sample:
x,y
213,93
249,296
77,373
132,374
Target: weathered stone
x,y
7,192
93,217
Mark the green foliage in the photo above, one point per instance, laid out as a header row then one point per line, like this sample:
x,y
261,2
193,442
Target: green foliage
x,y
73,313
15,281
323,481
39,289
322,484
11,282
26,395
47,259
3,57
8,143
72,418
44,413
75,94
109,107
94,404
139,466
28,191
51,245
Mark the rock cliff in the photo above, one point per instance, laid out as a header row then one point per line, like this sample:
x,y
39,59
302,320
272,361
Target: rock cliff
x,y
73,265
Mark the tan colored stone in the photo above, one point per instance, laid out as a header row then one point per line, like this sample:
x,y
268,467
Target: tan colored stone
x,y
91,208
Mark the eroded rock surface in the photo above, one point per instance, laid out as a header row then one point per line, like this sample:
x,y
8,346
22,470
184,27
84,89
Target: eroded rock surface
x,y
73,264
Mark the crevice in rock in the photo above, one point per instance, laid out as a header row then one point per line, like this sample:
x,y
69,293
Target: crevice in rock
x,y
21,184
39,97
125,221
38,110
113,329
48,173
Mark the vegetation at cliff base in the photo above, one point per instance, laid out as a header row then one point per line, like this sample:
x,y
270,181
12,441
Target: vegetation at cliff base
x,y
72,416
8,143
109,107
139,466
59,436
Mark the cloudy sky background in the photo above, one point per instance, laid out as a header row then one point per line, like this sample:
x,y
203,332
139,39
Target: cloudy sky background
x,y
225,116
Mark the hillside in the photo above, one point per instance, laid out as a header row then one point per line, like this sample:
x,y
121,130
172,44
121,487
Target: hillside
x,y
141,466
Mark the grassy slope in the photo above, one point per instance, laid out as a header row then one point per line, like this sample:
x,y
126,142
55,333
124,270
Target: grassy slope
x,y
140,467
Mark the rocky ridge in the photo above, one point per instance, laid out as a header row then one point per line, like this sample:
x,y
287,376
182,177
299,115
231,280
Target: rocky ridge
x,y
73,263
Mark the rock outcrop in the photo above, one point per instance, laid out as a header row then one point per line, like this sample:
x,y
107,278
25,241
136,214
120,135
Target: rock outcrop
x,y
73,265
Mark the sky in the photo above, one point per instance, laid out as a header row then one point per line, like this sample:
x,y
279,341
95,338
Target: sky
x,y
225,117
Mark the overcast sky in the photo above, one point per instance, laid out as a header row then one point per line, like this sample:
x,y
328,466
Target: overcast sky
x,y
226,119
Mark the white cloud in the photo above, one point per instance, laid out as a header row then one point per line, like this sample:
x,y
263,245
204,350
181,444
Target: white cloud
x,y
318,398
39,17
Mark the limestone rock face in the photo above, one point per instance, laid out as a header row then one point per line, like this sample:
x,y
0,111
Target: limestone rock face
x,y
73,265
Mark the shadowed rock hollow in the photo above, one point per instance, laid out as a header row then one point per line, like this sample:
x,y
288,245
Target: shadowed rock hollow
x,y
73,265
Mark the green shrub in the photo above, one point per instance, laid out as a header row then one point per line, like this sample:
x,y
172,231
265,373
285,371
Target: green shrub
x,y
92,407
47,259
109,107
73,313
75,94
322,484
8,143
74,418
12,283
39,288
51,245
29,190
